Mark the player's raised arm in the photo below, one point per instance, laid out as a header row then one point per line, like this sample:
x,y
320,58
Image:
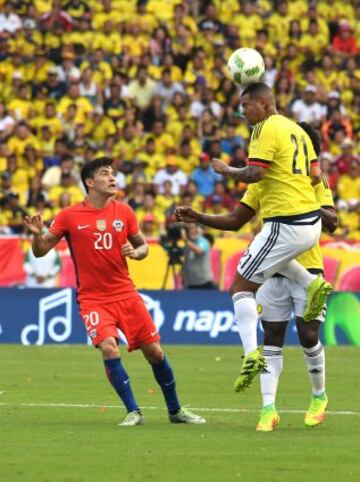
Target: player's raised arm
x,y
137,247
226,222
41,244
248,174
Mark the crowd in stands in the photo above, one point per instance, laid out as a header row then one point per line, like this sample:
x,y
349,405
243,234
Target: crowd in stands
x,y
145,82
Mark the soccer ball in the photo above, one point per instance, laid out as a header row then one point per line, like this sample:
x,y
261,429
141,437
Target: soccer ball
x,y
246,66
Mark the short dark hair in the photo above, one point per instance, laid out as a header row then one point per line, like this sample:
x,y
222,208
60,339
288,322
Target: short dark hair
x,y
260,89
89,169
314,136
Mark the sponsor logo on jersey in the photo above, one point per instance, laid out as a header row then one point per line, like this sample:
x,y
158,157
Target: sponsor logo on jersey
x,y
101,224
118,225
259,309
92,334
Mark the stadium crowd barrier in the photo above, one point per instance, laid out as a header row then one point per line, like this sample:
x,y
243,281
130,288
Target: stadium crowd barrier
x,y
50,316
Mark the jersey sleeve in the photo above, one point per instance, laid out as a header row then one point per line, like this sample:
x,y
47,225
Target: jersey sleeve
x,y
133,225
59,226
252,197
323,194
262,146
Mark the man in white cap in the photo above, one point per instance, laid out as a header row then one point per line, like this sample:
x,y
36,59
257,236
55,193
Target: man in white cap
x,y
307,109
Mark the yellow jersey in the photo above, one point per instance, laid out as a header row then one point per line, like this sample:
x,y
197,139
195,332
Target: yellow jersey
x,y
311,259
286,151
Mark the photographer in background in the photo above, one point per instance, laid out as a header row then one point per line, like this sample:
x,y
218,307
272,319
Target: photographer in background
x,y
197,272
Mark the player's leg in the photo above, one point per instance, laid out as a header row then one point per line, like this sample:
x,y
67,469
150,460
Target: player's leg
x,y
120,380
317,289
314,355
274,334
100,324
301,237
165,377
251,273
243,296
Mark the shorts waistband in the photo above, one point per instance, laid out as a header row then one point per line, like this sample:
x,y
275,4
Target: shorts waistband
x,y
297,219
311,270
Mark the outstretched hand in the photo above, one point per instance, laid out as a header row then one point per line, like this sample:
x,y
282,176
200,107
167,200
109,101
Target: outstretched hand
x,y
34,223
219,166
185,214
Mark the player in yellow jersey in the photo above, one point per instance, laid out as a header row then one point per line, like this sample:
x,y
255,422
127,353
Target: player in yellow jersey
x,y
277,298
283,161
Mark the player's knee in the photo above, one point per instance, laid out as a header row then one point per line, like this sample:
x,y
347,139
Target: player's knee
x,y
274,333
308,333
153,353
109,348
242,284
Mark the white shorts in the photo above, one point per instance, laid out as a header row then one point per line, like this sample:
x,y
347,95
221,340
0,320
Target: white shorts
x,y
280,298
276,245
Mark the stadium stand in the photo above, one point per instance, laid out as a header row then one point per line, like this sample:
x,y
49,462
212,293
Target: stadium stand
x,y
145,82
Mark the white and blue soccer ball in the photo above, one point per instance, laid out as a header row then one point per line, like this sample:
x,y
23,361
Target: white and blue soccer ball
x,y
246,66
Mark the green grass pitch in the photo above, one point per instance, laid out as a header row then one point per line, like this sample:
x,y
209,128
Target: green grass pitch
x,y
59,420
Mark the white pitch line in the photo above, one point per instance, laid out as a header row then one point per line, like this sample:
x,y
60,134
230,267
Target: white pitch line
x,y
198,409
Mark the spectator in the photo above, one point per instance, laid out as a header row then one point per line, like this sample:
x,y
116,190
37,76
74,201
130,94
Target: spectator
x,y
166,88
204,176
34,191
14,212
186,159
149,212
173,174
346,158
334,103
210,18
6,185
348,187
160,44
166,201
220,196
7,123
197,263
154,160
42,272
42,206
137,198
9,20
307,109
206,102
67,184
330,128
142,88
344,42
55,88
52,176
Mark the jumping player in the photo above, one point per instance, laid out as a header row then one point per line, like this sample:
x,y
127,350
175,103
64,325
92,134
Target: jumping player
x,y
101,232
277,298
283,161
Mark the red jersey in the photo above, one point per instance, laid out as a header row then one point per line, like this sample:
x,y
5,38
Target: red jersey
x,y
95,237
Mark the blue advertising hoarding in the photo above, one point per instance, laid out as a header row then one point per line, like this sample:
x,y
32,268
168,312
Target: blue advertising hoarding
x,y
43,316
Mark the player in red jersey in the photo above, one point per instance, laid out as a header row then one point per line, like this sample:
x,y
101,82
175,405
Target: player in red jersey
x,y
101,232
